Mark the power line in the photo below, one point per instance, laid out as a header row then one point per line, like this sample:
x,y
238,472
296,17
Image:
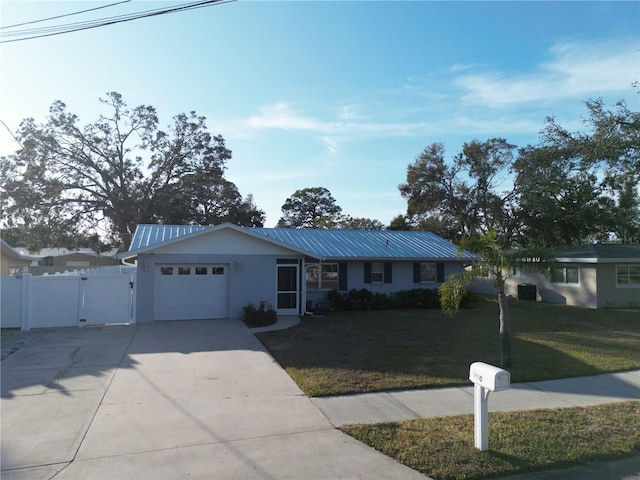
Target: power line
x,y
74,27
65,15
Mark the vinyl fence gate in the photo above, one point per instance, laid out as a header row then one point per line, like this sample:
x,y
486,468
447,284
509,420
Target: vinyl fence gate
x,y
29,301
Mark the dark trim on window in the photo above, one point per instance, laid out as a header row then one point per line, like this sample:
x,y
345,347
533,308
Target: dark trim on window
x,y
342,276
416,273
367,272
388,269
440,272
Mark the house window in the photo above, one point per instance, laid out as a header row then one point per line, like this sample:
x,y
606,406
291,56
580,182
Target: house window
x,y
377,272
627,275
566,275
323,276
427,273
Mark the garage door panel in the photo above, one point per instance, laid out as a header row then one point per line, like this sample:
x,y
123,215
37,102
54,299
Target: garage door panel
x,y
190,292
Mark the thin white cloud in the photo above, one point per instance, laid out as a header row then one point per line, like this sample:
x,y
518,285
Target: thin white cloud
x,y
576,70
282,116
350,112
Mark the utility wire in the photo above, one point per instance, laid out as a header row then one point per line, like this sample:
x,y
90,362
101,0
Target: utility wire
x,y
65,15
74,27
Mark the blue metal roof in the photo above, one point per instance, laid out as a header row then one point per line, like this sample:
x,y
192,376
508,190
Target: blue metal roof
x,y
327,244
147,235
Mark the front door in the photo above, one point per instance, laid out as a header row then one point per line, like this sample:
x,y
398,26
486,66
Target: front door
x,y
287,294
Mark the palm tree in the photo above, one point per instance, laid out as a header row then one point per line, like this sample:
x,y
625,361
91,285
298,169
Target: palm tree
x,y
494,262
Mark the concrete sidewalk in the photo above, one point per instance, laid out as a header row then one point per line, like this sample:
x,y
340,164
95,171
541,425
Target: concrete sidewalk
x,y
190,399
439,402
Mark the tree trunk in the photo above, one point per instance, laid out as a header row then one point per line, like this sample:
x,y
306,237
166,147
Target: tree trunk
x,y
505,331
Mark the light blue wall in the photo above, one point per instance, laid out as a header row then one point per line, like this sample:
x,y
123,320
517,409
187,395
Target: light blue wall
x,y
251,281
402,279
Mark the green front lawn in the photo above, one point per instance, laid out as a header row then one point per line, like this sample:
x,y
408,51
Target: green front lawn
x,y
349,352
442,448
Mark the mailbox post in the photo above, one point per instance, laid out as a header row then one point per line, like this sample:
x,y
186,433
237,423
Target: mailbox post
x,y
486,379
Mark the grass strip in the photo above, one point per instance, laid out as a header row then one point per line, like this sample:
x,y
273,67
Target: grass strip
x,y
520,442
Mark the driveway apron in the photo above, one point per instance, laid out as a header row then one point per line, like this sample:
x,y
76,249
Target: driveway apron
x,y
188,399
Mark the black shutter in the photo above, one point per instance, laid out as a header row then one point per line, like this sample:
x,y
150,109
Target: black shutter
x,y
367,272
440,272
342,276
387,273
416,273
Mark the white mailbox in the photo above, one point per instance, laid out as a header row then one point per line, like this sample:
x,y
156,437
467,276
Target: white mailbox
x,y
486,379
492,378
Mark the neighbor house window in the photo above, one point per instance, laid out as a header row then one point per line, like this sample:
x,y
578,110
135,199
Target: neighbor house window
x,y
322,276
628,275
567,275
427,273
516,271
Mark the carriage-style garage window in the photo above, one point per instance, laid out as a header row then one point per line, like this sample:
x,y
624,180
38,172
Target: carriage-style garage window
x,y
184,270
166,270
201,270
217,270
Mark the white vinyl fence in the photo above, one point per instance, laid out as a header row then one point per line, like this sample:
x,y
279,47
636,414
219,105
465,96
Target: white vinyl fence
x,y
29,301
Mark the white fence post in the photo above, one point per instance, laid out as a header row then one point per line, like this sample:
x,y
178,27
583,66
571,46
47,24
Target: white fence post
x,y
25,303
134,286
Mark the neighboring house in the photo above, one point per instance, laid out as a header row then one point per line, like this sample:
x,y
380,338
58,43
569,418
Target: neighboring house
x,y
12,262
59,260
192,272
591,276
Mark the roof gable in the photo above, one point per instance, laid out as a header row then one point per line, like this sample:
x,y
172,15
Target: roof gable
x,y
318,243
182,238
224,241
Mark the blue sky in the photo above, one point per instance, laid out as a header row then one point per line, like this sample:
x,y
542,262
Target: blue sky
x,y
342,95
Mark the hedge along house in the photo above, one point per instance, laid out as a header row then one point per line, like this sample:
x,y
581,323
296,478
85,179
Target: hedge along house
x,y
202,272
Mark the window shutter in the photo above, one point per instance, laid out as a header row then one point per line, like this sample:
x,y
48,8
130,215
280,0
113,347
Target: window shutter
x,y
388,272
416,273
342,276
440,272
367,272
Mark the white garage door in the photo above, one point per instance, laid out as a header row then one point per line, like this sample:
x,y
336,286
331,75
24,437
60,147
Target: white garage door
x,y
191,292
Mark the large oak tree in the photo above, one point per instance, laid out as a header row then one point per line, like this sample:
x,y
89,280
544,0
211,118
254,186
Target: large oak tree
x,y
461,197
119,171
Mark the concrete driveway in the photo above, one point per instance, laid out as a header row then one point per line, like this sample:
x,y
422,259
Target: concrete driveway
x,y
189,399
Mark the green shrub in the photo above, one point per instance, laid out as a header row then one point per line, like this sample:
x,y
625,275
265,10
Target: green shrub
x,y
336,301
258,317
363,299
